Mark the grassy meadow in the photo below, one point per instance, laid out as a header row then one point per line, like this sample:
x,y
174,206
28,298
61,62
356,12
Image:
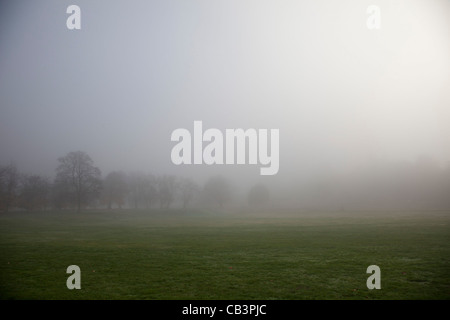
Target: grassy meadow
x,y
206,255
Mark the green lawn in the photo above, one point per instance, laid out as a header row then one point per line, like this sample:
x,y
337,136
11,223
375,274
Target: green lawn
x,y
205,255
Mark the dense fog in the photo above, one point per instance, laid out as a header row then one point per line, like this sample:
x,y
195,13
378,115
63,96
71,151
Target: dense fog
x,y
363,114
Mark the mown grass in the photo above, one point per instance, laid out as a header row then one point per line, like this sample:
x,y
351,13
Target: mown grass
x,y
176,255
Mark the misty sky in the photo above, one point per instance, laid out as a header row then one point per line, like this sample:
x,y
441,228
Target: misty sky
x,y
342,95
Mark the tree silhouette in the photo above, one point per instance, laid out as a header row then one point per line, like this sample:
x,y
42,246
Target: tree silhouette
x,y
218,190
114,189
79,178
9,181
188,190
258,195
34,192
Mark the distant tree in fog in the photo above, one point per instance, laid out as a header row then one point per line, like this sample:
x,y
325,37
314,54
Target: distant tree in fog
x,y
61,195
134,181
258,195
188,189
9,181
167,186
115,189
218,190
34,192
78,179
150,190
143,190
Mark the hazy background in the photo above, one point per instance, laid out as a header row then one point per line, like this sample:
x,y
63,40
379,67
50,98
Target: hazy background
x,y
345,98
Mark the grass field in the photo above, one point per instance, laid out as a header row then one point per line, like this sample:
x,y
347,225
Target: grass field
x,y
203,255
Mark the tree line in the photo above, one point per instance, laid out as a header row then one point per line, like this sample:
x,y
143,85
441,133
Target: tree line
x,y
78,184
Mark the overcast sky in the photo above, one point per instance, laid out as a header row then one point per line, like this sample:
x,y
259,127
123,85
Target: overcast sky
x,y
340,94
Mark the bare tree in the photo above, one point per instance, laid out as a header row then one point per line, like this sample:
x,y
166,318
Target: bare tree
x,y
134,186
142,189
258,195
114,189
9,181
77,175
149,190
188,190
34,192
218,190
167,186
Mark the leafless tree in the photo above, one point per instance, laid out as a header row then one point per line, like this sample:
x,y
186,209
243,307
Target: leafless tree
x,y
77,175
150,190
188,190
258,195
218,190
34,192
114,189
167,186
142,190
9,180
134,182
